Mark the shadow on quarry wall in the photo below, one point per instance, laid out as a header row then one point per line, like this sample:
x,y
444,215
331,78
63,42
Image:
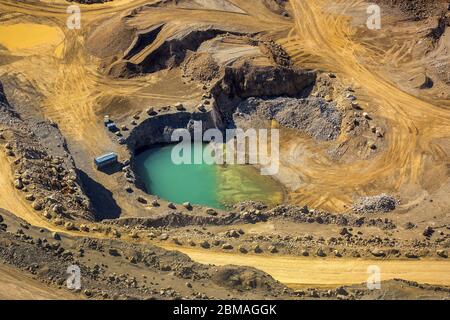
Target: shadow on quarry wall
x,y
105,207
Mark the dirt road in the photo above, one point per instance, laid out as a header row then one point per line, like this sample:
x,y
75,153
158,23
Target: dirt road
x,y
318,272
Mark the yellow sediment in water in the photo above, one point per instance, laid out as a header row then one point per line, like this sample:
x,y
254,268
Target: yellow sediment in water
x,y
240,183
24,38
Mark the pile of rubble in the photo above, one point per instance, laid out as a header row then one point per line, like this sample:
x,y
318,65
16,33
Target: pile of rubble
x,y
378,203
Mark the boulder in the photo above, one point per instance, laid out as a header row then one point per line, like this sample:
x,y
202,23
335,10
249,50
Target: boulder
x,y
428,232
179,106
227,246
18,184
113,252
69,226
151,112
56,236
320,253
242,249
187,205
155,203
378,253
211,212
164,237
171,206
30,197
442,253
273,249
142,200
37,205
205,245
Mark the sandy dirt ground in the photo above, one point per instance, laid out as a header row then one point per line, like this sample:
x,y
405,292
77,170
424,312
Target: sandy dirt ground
x,y
415,163
303,272
414,158
16,286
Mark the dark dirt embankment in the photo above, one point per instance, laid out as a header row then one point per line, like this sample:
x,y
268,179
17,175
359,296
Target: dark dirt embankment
x,y
44,170
418,9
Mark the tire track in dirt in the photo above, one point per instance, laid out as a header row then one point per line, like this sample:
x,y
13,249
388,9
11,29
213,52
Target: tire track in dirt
x,y
325,39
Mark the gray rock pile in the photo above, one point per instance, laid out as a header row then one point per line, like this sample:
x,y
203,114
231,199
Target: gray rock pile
x,y
318,118
373,204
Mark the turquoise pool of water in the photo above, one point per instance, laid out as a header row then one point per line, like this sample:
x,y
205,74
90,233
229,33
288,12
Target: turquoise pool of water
x,y
215,186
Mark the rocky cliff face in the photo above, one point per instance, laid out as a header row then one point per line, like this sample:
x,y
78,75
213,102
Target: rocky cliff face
x,y
244,80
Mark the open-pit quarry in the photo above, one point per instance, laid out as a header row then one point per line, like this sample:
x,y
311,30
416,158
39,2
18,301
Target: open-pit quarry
x,y
359,205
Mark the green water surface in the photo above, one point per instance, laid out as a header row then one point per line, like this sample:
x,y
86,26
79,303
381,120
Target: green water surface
x,y
215,186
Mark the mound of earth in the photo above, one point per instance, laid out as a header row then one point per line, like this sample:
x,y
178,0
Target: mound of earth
x,y
170,53
101,44
245,79
315,116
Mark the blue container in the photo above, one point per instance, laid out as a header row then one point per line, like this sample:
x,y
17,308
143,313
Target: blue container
x,y
112,127
105,160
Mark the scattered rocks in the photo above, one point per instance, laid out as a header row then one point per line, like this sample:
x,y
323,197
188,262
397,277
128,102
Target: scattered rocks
x,y
232,234
379,203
